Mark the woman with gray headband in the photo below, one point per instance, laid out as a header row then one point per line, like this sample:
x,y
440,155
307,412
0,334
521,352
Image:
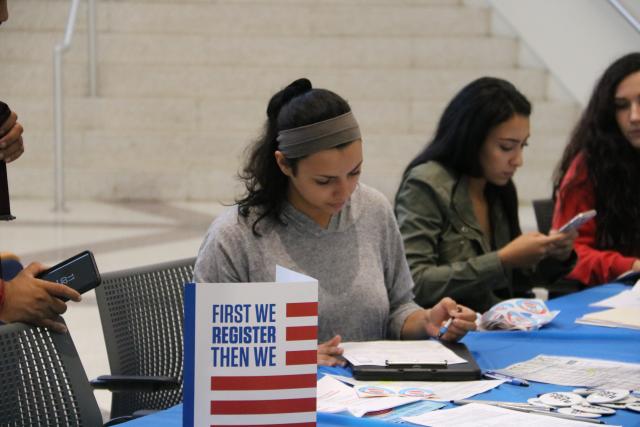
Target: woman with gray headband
x,y
305,210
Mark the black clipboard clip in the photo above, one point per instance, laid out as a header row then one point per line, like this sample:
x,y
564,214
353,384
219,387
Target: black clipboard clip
x,y
416,365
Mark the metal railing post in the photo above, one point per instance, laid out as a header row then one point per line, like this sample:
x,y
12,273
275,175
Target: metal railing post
x,y
91,38
625,14
58,119
58,155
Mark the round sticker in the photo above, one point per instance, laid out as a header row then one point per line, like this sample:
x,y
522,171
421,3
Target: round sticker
x,y
561,399
424,393
607,396
534,401
375,391
578,413
614,405
586,407
629,399
633,406
532,306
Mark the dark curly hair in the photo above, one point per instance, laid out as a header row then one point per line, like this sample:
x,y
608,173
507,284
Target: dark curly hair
x,y
612,162
296,105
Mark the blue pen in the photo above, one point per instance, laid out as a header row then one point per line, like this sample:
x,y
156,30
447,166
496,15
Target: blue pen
x,y
445,328
507,378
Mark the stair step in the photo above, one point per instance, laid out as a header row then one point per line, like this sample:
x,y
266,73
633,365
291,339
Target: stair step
x,y
195,81
275,51
260,18
213,115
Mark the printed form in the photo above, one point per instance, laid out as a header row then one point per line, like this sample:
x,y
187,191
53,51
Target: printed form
x,y
576,371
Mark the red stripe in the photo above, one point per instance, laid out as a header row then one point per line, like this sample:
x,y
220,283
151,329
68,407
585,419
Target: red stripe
x,y
266,382
301,333
266,425
302,357
278,406
302,309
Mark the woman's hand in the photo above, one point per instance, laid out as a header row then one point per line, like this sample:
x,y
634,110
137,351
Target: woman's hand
x,y
463,320
427,323
329,353
561,249
528,249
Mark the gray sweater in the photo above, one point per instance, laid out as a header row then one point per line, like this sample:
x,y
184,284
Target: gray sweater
x,y
364,281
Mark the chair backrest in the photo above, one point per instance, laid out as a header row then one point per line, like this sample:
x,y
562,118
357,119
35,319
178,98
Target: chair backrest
x,y
42,381
543,209
142,315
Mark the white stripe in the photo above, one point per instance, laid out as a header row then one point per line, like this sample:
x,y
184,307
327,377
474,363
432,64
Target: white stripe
x,y
294,393
302,321
275,370
299,417
300,345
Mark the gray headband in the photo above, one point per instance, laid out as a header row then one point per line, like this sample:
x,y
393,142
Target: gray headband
x,y
305,140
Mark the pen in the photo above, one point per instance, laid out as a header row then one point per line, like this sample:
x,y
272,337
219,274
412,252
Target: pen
x,y
445,328
507,378
524,407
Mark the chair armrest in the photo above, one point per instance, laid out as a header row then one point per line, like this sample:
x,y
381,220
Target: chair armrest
x,y
134,383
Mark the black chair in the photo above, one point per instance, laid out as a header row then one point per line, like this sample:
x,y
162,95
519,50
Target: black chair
x,y
543,209
42,381
142,315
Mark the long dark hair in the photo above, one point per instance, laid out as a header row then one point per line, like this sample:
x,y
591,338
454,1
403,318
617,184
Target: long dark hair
x,y
612,162
464,126
296,105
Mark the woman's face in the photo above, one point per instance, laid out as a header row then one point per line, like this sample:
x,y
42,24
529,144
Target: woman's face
x,y
627,104
501,152
324,181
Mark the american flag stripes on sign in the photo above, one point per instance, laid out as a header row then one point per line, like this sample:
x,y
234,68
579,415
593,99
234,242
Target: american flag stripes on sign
x,y
252,369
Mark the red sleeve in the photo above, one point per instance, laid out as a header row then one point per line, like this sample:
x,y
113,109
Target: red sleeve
x,y
575,195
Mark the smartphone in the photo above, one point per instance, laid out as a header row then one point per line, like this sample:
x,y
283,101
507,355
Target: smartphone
x,y
79,272
578,220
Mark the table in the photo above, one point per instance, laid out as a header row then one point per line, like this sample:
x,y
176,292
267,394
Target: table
x,y
494,350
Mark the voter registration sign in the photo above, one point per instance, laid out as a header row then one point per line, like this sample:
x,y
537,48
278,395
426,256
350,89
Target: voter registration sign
x,y
251,352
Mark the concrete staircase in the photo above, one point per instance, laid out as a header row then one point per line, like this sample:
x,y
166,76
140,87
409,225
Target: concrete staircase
x,y
183,86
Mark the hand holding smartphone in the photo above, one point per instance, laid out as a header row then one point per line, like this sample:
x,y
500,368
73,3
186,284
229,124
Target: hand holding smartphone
x,y
78,272
577,221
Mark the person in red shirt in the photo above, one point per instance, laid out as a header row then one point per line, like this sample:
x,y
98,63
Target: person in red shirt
x,y
600,169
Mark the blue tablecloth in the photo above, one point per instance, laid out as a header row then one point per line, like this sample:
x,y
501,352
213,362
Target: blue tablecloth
x,y
494,350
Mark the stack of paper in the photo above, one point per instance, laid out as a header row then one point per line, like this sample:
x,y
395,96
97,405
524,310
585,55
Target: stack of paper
x,y
630,298
624,313
621,317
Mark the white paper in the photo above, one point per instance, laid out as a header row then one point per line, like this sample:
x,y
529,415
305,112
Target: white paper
x,y
378,353
629,298
619,317
576,371
335,396
442,391
478,415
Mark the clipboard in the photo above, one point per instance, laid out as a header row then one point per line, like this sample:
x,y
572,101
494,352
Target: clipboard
x,y
417,372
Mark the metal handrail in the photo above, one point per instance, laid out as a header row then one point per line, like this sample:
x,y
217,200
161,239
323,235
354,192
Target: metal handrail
x,y
622,10
58,122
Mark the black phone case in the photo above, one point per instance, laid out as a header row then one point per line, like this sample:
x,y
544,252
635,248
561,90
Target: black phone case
x,y
79,272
